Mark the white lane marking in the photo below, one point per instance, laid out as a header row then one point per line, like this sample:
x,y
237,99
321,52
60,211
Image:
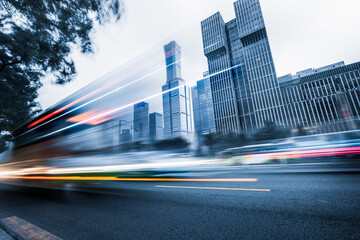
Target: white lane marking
x,y
215,188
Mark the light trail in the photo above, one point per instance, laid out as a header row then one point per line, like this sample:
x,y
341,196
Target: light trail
x,y
215,188
144,167
128,167
80,178
66,107
98,98
321,152
131,104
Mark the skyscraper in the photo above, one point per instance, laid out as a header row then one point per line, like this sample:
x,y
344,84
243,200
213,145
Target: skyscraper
x,y
141,121
216,49
176,103
155,126
243,81
203,109
259,63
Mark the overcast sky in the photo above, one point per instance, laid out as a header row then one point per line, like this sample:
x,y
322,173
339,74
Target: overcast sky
x,y
303,34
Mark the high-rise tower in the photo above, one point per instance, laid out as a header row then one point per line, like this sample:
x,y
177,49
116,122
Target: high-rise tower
x,y
141,121
243,81
259,63
155,126
176,103
203,108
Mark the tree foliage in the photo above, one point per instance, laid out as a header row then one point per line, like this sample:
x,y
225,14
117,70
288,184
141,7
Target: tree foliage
x,y
175,143
217,142
271,131
36,38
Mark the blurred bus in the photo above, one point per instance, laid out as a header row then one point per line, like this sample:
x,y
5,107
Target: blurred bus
x,y
317,147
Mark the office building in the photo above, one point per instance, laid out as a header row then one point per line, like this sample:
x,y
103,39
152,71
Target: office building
x,y
203,109
244,85
155,126
125,136
141,121
324,99
176,102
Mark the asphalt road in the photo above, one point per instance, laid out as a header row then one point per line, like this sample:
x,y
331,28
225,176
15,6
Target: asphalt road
x,y
282,204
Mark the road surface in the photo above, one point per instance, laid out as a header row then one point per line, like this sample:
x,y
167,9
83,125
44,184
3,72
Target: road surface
x,y
302,202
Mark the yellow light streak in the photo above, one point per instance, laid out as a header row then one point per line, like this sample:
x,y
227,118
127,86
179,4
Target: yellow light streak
x,y
134,179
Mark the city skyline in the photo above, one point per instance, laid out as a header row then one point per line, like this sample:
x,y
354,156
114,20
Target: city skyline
x,y
243,79
253,95
247,115
290,50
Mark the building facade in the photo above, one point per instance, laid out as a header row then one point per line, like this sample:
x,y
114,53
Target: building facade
x,y
141,121
244,85
155,126
326,99
125,136
176,102
216,49
203,109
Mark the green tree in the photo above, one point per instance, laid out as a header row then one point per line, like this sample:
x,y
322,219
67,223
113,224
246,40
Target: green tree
x,y
271,131
175,143
210,140
36,39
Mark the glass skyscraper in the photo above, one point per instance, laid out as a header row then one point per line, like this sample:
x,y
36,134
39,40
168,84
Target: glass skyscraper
x,y
204,120
243,81
176,103
141,121
155,126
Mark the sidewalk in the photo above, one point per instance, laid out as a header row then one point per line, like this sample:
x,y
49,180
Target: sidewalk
x,y
23,230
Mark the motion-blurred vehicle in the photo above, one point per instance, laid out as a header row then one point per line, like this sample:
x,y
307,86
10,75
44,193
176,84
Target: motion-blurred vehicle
x,y
257,154
295,149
